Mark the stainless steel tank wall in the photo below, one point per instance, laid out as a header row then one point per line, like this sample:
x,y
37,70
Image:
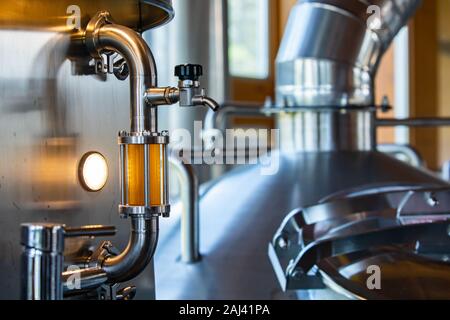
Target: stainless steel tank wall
x,y
242,211
49,119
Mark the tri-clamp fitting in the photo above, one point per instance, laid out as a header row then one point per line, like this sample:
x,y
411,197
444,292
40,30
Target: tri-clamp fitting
x,y
188,93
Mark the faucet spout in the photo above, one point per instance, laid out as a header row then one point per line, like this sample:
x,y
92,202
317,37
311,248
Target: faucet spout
x,y
207,102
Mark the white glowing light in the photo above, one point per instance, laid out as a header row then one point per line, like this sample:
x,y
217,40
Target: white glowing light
x,y
94,171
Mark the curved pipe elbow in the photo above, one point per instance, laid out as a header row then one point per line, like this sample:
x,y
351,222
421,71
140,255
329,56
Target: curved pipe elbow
x,y
102,36
207,102
211,103
138,253
132,47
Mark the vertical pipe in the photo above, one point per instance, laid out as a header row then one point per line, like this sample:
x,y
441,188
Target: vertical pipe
x,y
153,119
42,261
402,84
190,222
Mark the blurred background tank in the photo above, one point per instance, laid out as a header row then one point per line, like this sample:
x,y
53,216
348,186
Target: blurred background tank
x,y
326,113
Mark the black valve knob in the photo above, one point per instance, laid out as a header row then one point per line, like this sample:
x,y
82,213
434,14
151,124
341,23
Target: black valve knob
x,y
189,72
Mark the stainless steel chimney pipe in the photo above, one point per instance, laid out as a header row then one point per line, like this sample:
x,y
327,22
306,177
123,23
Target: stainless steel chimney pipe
x,y
326,66
331,50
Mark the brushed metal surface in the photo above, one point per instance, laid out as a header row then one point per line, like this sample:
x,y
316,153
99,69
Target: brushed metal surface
x,y
426,279
52,15
49,119
315,130
238,220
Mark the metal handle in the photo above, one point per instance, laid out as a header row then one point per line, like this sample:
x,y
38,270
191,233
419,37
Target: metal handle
x,y
90,231
188,72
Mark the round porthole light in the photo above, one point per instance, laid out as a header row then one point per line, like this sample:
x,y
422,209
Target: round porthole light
x,y
93,171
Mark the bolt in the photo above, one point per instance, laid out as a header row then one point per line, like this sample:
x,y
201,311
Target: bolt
x,y
283,242
432,200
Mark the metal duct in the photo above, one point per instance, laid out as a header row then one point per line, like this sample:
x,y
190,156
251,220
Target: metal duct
x,y
331,50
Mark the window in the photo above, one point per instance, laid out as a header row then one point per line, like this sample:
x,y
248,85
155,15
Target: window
x,y
248,38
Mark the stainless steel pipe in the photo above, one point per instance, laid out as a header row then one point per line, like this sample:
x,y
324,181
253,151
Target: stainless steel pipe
x,y
138,253
325,130
331,51
326,66
206,101
101,36
306,129
190,220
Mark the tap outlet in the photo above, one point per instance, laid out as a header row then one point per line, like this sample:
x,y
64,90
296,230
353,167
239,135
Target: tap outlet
x,y
187,94
190,92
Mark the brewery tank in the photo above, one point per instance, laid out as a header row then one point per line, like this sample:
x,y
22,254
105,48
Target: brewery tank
x,y
326,113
